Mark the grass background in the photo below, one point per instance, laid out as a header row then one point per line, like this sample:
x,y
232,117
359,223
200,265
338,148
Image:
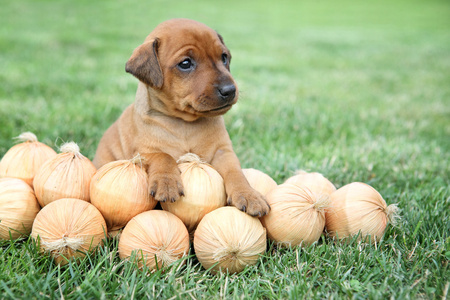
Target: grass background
x,y
357,90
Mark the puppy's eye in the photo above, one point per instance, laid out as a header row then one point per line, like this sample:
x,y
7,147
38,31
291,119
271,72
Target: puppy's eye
x,y
186,65
225,59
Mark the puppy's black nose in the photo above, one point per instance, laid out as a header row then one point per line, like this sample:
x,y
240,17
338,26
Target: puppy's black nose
x,y
227,92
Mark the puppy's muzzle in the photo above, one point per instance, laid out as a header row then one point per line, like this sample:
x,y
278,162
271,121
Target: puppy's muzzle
x,y
226,92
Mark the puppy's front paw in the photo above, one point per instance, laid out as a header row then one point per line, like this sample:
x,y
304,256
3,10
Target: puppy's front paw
x,y
166,187
250,201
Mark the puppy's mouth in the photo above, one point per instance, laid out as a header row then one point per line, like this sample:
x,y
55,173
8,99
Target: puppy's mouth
x,y
207,106
220,108
211,112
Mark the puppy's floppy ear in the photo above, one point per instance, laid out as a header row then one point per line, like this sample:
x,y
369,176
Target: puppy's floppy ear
x,y
220,38
144,64
223,43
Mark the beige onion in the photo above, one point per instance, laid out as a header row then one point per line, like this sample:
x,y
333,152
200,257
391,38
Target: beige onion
x,y
156,238
297,215
120,191
358,209
315,182
204,191
68,228
228,239
18,208
67,175
259,180
24,160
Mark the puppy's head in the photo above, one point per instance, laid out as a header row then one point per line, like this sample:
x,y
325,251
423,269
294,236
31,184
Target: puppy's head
x,y
186,66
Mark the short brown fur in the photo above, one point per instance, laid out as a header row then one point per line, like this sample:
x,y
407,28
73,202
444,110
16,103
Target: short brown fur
x,y
178,111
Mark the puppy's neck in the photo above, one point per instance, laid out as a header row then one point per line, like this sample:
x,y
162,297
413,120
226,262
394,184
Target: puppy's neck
x,y
147,103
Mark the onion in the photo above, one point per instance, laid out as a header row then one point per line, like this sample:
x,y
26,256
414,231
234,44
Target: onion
x,y
67,175
229,239
156,238
204,191
297,214
358,209
316,182
18,208
259,180
68,228
24,160
120,191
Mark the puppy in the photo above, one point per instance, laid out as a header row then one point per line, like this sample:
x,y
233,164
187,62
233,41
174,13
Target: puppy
x,y
184,88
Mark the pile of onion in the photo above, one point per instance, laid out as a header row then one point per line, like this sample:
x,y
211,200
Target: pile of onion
x,y
68,228
204,191
120,191
156,238
297,214
259,180
66,175
24,160
18,208
358,209
228,239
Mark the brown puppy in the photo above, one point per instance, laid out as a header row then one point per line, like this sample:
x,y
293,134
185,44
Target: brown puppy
x,y
185,86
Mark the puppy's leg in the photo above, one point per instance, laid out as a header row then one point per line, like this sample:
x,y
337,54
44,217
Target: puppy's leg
x,y
239,191
164,177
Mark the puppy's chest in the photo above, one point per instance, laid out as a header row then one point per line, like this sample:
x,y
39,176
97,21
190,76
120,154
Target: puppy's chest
x,y
179,138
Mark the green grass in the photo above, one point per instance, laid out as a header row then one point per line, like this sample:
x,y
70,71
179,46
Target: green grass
x,y
357,90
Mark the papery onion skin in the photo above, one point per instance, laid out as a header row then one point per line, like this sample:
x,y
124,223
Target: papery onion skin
x,y
154,233
204,191
228,240
120,191
297,215
18,208
358,209
67,175
315,182
68,229
25,159
259,180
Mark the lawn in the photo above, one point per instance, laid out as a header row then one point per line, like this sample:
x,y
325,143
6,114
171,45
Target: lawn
x,y
359,91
